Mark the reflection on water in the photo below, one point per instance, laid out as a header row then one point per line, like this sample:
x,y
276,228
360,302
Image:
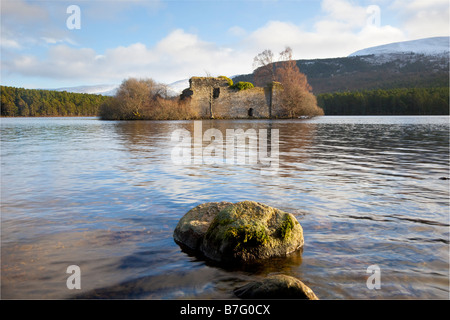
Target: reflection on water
x,y
105,196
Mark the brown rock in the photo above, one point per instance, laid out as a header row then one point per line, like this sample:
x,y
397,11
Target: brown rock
x,y
245,231
276,287
192,227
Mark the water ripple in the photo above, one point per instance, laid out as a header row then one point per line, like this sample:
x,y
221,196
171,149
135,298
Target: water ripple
x,y
106,196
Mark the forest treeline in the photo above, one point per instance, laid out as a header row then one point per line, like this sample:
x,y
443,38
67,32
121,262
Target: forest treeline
x,y
20,102
402,101
16,102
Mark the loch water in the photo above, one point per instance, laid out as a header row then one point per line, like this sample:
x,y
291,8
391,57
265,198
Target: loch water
x,y
107,195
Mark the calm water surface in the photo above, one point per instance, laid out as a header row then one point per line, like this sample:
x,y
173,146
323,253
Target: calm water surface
x,y
106,196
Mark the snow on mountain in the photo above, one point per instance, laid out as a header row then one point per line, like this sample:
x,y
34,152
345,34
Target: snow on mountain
x,y
103,89
427,46
175,88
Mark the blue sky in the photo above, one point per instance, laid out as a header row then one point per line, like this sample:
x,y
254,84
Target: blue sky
x,y
174,40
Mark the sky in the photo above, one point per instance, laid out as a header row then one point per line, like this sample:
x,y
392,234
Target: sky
x,y
52,44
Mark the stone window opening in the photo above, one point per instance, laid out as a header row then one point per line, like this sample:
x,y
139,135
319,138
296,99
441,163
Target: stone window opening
x,y
250,112
216,93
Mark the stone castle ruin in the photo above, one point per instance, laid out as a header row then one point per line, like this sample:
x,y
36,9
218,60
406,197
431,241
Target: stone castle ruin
x,y
212,97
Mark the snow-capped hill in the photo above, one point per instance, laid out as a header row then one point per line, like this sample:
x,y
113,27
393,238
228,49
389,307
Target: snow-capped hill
x,y
427,46
103,89
175,88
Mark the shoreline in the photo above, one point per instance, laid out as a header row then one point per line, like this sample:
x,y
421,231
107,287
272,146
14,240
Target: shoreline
x,y
250,118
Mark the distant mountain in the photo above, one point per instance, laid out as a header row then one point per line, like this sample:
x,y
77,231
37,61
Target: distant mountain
x,y
174,89
424,63
416,63
427,46
103,89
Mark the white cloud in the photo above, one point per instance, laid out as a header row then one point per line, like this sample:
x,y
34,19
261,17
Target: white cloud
x,y
177,56
51,40
423,19
29,24
341,29
10,43
341,14
237,31
181,54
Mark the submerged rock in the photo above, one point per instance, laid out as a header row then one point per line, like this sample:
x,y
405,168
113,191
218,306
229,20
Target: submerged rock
x,y
276,287
245,231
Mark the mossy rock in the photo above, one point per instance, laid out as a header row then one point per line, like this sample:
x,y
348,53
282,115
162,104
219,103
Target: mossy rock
x,y
249,231
192,227
276,287
246,231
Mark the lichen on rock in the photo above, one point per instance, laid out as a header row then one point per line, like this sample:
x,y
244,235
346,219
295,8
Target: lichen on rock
x,y
193,225
245,231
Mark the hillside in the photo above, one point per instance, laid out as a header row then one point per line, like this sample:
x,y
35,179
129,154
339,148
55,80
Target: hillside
x,y
373,72
389,68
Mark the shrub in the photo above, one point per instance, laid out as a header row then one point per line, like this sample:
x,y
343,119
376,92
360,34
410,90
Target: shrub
x,y
145,99
230,82
171,109
242,85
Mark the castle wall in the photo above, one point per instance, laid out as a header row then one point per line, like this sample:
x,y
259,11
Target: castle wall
x,y
227,102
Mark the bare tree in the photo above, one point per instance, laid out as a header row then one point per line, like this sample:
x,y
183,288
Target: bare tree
x,y
133,95
264,69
